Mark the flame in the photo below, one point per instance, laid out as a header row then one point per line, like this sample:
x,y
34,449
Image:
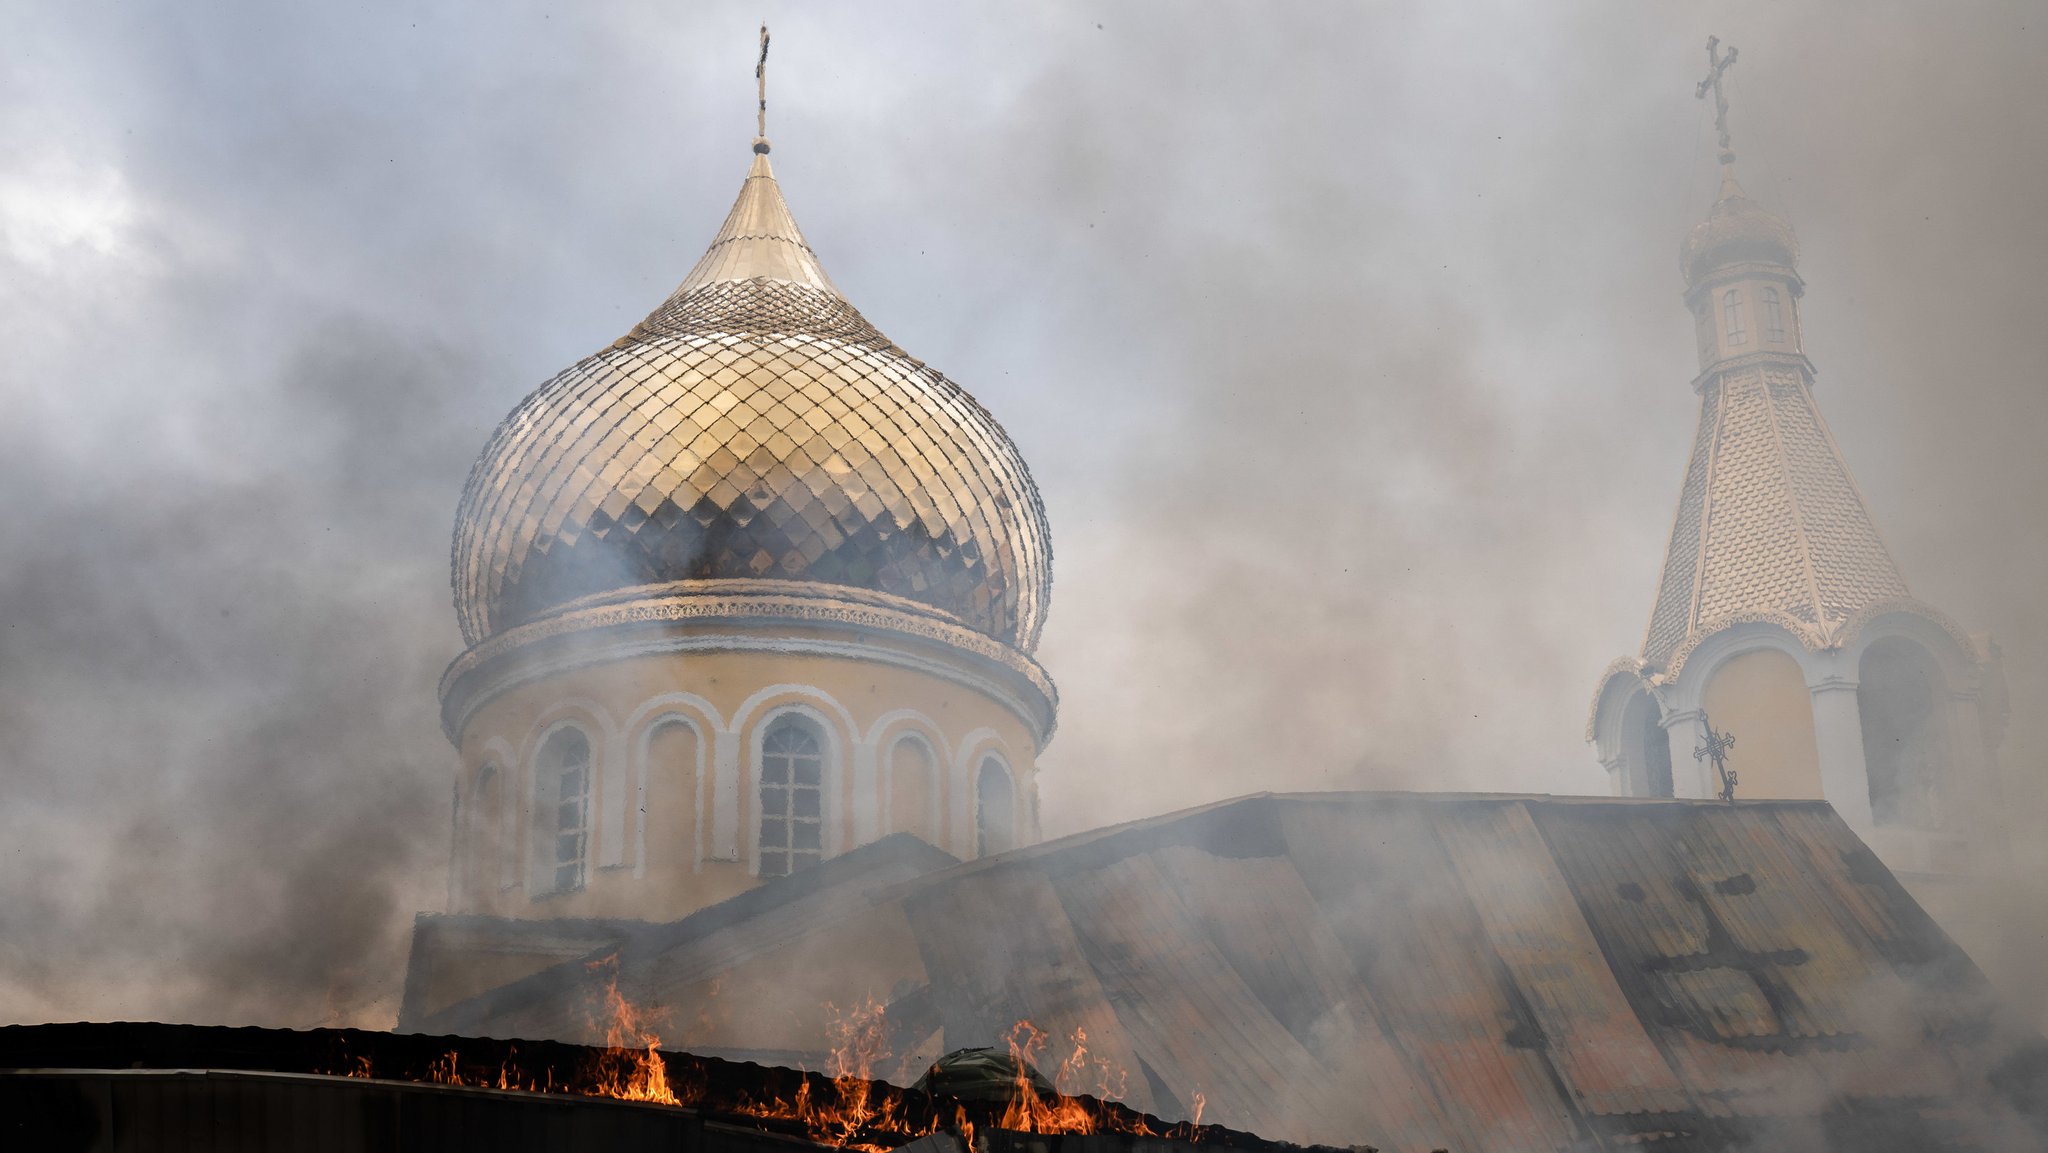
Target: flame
x,y
845,1104
858,1102
1075,1071
1028,1112
631,1067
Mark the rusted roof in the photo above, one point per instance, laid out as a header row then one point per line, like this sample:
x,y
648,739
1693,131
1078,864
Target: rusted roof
x,y
1472,972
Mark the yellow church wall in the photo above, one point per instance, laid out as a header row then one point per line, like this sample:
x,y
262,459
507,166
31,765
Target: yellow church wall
x,y
916,787
665,828
662,715
1761,697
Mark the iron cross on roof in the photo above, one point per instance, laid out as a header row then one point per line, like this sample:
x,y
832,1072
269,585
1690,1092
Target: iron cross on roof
x,y
1712,83
1716,747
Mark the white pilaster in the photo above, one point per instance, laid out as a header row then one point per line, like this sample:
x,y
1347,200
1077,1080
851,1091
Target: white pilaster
x,y
1972,796
867,792
611,829
1838,733
1690,776
1618,783
725,795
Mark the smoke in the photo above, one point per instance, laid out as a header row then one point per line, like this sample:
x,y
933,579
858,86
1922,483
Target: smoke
x,y
1345,344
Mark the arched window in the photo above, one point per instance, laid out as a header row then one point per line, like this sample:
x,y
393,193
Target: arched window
x,y
561,783
995,809
792,795
1905,739
1731,317
1774,317
482,832
911,776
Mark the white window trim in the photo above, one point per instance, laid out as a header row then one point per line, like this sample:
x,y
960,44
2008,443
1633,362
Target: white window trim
x,y
830,780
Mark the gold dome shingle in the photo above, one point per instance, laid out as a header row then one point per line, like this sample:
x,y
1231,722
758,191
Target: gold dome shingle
x,y
754,426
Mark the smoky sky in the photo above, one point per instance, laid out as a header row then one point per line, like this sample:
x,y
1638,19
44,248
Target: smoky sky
x,y
1345,343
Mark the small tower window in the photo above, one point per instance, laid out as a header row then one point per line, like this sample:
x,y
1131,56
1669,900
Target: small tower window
x,y
1774,317
1731,317
995,809
792,795
562,793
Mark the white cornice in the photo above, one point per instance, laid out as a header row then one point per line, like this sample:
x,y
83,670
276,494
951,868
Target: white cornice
x,y
735,616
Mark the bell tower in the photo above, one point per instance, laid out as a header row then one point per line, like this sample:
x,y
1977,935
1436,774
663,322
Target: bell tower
x,y
1781,619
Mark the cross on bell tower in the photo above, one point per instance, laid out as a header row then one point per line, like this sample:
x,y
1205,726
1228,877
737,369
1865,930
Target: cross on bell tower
x,y
1718,64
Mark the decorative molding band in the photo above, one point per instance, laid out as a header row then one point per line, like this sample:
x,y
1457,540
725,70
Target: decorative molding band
x,y
1630,667
1749,360
1808,635
1854,626
1816,638
602,630
1745,270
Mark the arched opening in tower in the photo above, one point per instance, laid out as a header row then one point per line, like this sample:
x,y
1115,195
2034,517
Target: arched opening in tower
x,y
1649,747
1905,738
1761,698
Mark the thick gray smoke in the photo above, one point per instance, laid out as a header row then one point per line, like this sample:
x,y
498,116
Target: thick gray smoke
x,y
1346,345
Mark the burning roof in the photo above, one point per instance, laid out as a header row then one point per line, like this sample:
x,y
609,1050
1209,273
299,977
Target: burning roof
x,y
1416,971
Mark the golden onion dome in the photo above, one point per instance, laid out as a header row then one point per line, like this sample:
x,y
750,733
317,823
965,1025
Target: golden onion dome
x,y
1737,230
753,427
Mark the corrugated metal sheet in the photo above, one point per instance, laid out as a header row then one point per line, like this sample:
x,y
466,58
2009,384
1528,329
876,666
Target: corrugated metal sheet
x,y
1737,871
1696,997
1259,915
1590,1031
1000,950
1387,889
1191,1017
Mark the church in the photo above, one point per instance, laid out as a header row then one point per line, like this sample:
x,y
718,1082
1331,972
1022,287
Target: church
x,y
749,720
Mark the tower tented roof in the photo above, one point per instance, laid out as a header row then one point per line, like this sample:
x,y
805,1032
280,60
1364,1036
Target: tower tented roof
x,y
1770,524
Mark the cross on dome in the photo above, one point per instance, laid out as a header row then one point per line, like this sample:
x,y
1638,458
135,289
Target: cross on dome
x,y
761,90
1718,63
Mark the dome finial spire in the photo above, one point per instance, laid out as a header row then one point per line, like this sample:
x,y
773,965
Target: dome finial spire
x,y
761,89
1718,64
